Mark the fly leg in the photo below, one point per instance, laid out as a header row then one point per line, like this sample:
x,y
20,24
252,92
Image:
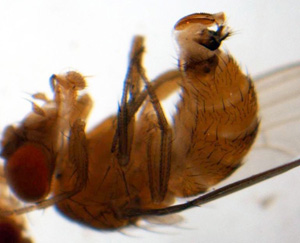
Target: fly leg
x,y
159,145
125,123
152,120
215,194
159,141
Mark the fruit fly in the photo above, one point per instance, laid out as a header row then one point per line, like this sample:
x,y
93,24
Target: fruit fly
x,y
137,163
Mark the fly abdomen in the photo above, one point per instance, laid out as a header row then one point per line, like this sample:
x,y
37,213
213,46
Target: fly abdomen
x,y
216,121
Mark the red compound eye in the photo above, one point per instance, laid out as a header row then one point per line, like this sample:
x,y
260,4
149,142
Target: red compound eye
x,y
29,171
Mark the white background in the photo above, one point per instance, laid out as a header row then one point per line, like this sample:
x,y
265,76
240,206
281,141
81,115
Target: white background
x,y
39,38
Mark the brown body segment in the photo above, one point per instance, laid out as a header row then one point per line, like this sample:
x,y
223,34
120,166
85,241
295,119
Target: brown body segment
x,y
215,125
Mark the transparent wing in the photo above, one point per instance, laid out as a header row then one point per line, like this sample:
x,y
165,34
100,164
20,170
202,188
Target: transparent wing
x,y
279,95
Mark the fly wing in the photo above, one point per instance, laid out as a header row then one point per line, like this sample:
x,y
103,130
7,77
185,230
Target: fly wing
x,y
279,95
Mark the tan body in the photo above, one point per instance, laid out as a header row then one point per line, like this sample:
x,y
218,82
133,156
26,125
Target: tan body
x,y
214,127
134,162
